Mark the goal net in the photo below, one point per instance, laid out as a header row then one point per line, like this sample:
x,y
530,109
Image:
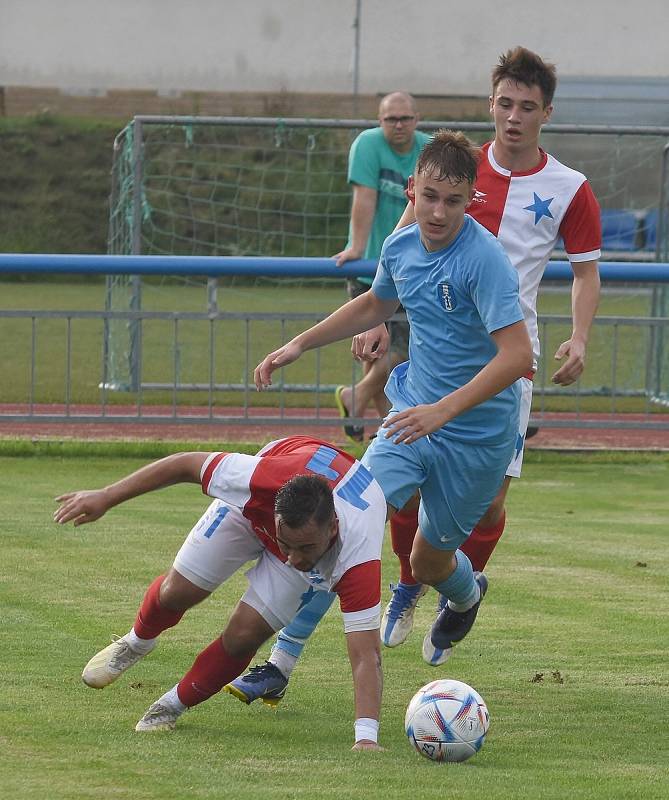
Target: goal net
x,y
272,187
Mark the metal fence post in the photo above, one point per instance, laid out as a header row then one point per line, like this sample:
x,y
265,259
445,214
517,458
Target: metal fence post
x,y
136,280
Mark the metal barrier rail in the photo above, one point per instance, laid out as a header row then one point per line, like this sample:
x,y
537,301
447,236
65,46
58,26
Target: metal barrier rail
x,y
653,360
70,408
12,263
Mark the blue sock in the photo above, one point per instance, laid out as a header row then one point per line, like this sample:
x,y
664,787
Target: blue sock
x,y
460,586
293,637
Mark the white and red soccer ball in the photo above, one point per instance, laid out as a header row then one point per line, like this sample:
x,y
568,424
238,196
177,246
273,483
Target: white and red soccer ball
x,y
447,720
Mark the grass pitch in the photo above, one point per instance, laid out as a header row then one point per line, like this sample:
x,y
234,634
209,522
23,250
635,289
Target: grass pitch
x,y
569,652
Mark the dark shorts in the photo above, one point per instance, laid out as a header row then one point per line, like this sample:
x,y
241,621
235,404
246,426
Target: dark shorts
x,y
398,327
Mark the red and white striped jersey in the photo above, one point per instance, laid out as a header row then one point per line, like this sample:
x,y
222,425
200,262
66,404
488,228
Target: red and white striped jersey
x,y
529,212
352,566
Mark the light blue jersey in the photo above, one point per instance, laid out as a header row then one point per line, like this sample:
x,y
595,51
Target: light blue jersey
x,y
454,299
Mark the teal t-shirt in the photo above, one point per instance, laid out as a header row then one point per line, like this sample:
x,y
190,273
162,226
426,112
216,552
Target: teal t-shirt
x,y
372,162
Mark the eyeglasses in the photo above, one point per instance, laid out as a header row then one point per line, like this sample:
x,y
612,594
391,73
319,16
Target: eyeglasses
x,y
397,120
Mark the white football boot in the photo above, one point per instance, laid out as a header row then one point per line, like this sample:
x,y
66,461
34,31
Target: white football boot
x,y
106,666
397,619
160,716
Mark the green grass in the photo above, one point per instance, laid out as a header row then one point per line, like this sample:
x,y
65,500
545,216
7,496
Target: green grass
x,y
250,191
162,353
56,184
579,595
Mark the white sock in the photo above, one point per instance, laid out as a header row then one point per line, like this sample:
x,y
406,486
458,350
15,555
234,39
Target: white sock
x,y
171,699
283,661
139,645
461,608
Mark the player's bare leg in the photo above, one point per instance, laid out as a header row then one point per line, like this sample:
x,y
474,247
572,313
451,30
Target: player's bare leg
x,y
219,663
478,548
451,574
165,602
370,389
353,401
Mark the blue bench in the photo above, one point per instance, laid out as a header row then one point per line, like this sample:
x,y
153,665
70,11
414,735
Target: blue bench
x,y
620,229
624,231
650,223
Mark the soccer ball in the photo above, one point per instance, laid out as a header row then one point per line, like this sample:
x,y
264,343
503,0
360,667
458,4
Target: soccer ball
x,y
447,721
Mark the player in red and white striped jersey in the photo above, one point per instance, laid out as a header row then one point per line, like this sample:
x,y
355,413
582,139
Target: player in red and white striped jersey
x,y
529,211
313,519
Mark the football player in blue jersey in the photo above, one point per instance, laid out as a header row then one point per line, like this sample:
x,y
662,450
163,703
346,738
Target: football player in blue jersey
x,y
452,427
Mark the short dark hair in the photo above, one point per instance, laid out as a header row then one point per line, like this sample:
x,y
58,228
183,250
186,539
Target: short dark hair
x,y
304,499
449,154
523,66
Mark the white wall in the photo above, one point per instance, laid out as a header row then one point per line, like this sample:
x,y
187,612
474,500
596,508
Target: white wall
x,y
428,47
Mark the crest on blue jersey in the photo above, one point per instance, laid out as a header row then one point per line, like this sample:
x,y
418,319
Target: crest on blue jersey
x,y
447,296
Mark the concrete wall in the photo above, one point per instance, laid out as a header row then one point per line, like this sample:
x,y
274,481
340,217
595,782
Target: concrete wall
x,y
285,48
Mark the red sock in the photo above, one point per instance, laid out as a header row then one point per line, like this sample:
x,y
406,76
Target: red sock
x,y
152,617
211,670
481,543
403,527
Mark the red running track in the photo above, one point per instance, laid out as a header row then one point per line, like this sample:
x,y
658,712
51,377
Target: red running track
x,y
607,436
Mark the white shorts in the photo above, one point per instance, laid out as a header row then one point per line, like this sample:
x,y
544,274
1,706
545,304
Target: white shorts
x,y
516,464
223,541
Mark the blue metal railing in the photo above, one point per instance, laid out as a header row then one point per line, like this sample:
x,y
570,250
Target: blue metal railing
x,y
654,328
625,271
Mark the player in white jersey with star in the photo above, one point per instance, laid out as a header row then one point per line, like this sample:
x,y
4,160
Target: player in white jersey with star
x,y
310,515
528,200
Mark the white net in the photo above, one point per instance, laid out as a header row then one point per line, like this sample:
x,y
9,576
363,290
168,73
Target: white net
x,y
220,189
279,188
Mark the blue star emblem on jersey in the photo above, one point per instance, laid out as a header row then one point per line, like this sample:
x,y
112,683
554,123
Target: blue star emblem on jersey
x,y
540,208
447,297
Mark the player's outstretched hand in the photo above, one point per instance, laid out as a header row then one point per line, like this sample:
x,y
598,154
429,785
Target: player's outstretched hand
x,y
366,744
82,507
279,358
371,345
572,368
346,255
412,423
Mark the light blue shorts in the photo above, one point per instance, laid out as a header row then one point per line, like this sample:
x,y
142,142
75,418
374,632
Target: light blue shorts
x,y
457,480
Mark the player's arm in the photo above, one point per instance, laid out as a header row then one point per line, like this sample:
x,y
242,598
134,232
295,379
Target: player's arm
x,y
364,652
373,344
360,314
359,593
512,360
363,209
584,302
87,506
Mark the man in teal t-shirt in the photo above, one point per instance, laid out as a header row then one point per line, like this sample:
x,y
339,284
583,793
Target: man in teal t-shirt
x,y
380,163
